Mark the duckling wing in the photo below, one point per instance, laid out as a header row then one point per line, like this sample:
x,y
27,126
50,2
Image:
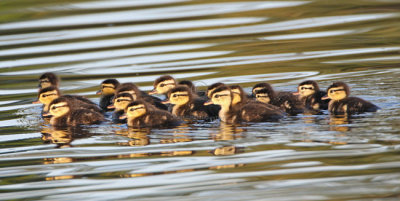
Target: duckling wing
x,y
154,101
288,102
85,117
161,118
356,105
259,113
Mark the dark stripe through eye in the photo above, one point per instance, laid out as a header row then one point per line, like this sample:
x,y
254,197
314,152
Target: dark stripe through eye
x,y
176,95
303,88
45,95
335,90
55,107
133,109
217,96
163,85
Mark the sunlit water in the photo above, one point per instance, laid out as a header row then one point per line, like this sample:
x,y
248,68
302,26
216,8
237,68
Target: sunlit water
x,y
305,157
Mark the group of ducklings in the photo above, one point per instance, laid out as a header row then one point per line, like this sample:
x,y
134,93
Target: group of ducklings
x,y
228,103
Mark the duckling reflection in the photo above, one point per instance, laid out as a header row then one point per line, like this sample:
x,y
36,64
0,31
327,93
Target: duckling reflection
x,y
63,137
227,150
339,123
227,132
137,136
180,134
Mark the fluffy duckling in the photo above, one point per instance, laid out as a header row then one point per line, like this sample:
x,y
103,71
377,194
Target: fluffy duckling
x,y
288,102
48,79
341,103
139,114
107,90
310,95
65,113
163,84
191,86
248,112
188,105
120,102
212,87
138,94
48,94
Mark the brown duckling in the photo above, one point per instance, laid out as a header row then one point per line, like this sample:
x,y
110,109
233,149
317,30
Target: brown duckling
x,y
163,84
119,104
138,94
140,114
48,94
188,105
248,112
191,86
310,95
65,113
48,79
240,98
288,102
342,104
107,90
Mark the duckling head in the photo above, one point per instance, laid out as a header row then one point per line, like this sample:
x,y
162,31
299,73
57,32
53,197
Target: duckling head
x,y
108,87
121,101
338,91
238,94
47,95
179,95
212,87
59,107
307,88
128,88
222,96
47,80
136,109
163,84
263,96
189,84
268,88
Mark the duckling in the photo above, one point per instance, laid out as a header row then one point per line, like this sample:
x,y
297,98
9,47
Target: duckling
x,y
48,79
248,112
163,84
212,87
48,94
191,86
119,105
65,113
288,102
139,115
138,94
341,103
310,95
186,104
240,98
107,90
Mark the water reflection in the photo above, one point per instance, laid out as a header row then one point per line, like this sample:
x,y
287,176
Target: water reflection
x,y
339,123
63,137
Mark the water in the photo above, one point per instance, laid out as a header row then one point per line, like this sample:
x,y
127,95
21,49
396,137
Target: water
x,y
304,157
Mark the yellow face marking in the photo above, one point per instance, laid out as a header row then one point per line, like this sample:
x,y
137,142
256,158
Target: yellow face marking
x,y
306,90
337,93
256,89
263,97
121,102
222,98
59,109
135,111
46,98
236,96
179,98
44,83
164,86
107,89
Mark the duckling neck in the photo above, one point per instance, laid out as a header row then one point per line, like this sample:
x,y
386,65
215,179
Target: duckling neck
x,y
223,113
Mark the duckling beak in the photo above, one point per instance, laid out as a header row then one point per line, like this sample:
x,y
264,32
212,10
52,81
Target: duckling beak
x,y
98,92
165,102
296,93
152,92
47,114
208,103
111,107
325,97
36,102
122,117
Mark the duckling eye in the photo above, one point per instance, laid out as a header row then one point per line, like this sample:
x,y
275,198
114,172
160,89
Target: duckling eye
x,y
174,95
132,109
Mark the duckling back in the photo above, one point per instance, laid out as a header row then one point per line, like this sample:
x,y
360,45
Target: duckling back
x,y
85,117
155,119
351,105
259,112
